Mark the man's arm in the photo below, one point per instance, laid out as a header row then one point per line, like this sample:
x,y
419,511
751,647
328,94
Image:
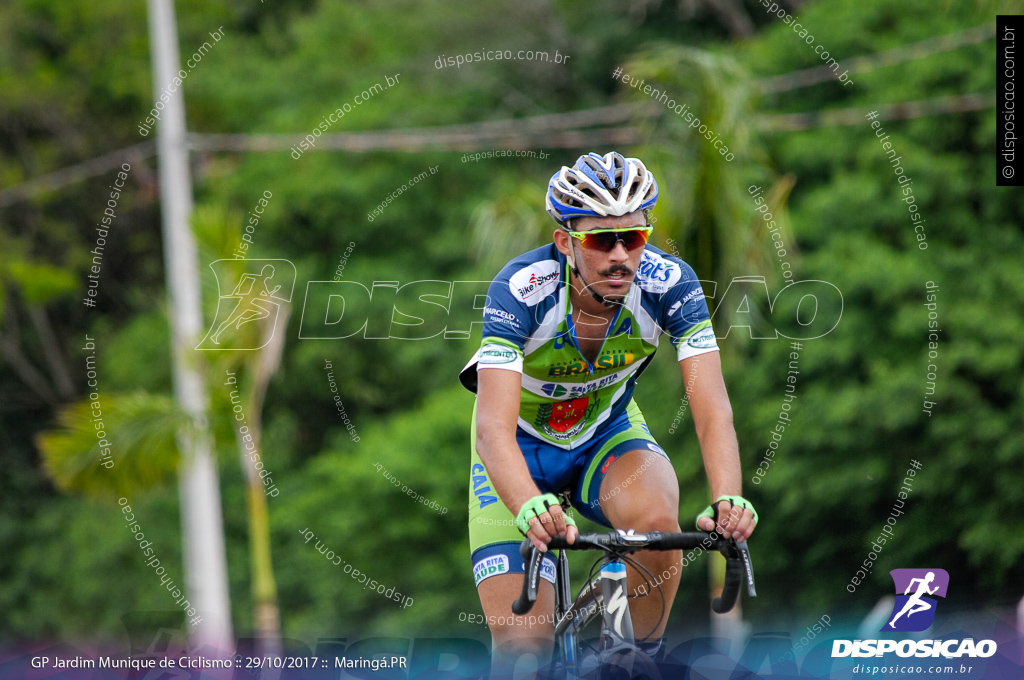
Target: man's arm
x,y
712,418
497,413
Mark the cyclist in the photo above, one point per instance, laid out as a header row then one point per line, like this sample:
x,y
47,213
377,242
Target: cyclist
x,y
568,328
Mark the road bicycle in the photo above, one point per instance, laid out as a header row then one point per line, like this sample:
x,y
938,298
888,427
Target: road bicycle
x,y
605,597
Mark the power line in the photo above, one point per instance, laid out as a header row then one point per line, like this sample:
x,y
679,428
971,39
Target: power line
x,y
537,132
607,125
75,173
891,57
791,122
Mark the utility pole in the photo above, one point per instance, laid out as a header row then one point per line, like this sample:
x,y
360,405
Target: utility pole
x,y
202,525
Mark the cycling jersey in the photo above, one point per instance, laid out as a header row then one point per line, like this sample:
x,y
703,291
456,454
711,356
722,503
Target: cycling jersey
x,y
528,328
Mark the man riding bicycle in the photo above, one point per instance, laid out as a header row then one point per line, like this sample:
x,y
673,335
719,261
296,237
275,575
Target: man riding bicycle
x,y
568,328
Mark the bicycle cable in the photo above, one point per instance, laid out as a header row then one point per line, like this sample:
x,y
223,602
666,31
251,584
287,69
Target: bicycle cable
x,y
648,577
643,571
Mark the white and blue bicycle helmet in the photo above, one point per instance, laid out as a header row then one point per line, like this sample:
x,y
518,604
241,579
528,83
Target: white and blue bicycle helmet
x,y
598,186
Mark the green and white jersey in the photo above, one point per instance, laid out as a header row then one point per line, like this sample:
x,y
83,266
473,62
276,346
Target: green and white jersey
x,y
528,328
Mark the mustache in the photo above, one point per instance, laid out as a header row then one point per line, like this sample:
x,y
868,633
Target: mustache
x,y
616,269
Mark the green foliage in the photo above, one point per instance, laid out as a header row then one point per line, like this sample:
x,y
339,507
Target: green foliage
x,y
76,80
859,419
419,547
39,282
115,444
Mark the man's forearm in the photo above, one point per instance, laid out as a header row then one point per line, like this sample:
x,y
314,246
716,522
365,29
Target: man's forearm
x,y
506,467
720,451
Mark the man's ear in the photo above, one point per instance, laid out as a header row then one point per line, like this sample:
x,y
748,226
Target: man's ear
x,y
561,238
564,244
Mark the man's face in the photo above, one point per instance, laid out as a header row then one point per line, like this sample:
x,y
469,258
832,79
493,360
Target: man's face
x,y
607,273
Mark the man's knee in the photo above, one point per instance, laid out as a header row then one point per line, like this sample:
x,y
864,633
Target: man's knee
x,y
657,519
649,513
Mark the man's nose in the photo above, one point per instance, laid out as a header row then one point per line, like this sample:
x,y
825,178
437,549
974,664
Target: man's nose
x,y
619,253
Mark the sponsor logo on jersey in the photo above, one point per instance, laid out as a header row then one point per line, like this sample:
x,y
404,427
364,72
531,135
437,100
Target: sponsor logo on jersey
x,y
695,294
704,339
673,308
656,274
613,359
500,316
492,355
490,566
554,390
564,419
557,390
565,414
529,283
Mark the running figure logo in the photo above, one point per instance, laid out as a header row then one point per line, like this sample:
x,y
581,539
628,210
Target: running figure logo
x,y
253,298
915,611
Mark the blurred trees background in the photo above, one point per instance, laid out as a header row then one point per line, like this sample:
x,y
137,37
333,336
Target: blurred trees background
x,y
76,82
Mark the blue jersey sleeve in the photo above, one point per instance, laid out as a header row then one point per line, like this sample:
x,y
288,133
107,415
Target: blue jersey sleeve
x,y
505,318
681,309
514,299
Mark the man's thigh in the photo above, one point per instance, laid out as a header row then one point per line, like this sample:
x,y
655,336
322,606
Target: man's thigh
x,y
624,463
640,491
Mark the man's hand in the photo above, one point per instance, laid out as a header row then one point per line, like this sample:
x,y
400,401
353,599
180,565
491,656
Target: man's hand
x,y
541,519
736,517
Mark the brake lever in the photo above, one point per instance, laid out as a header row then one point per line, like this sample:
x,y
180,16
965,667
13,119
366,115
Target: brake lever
x,y
748,567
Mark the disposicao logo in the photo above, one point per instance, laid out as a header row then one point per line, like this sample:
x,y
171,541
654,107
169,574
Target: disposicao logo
x,y
914,611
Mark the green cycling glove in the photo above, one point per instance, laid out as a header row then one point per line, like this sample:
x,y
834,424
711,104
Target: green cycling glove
x,y
737,501
537,506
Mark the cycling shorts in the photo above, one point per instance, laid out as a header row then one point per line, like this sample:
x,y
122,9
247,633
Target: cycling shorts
x,y
494,538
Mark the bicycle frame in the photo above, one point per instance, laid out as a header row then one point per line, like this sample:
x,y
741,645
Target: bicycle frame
x,y
616,622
